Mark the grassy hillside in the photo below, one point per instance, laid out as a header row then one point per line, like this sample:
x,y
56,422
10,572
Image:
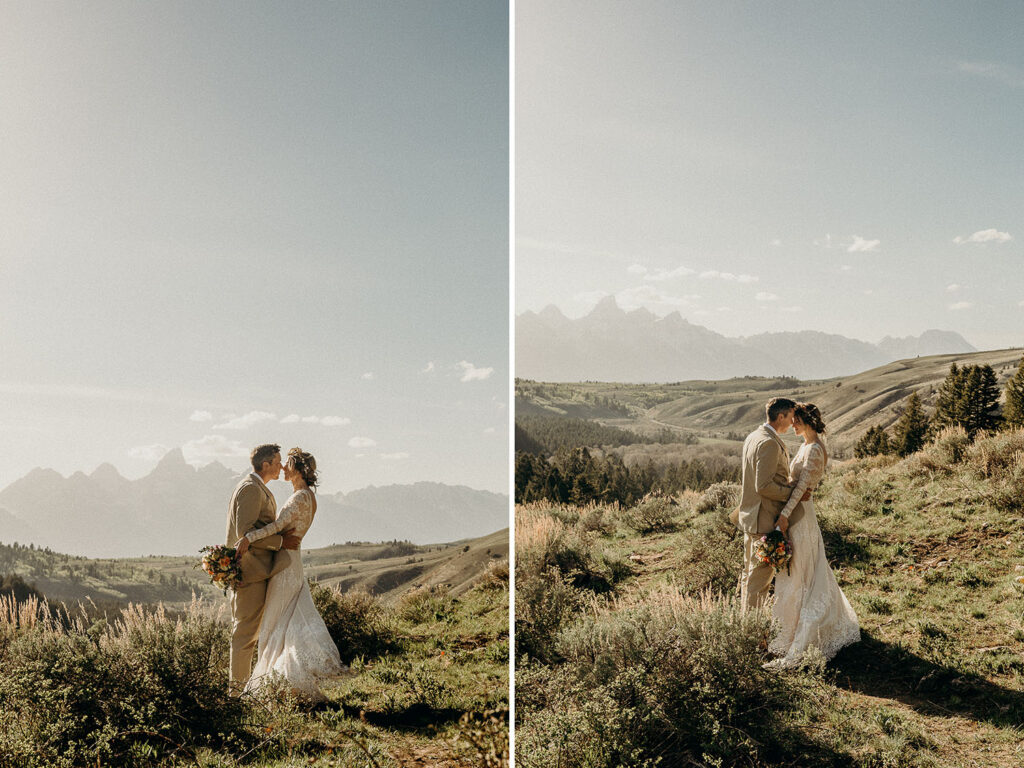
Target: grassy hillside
x,y
717,411
146,686
173,580
626,657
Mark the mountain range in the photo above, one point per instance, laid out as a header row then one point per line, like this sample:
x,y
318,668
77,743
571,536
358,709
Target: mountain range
x,y
611,344
177,509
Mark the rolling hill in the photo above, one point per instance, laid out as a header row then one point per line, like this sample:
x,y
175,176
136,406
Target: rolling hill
x,y
727,410
173,580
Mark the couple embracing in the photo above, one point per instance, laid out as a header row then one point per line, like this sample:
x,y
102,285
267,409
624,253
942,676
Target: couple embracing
x,y
273,603
810,609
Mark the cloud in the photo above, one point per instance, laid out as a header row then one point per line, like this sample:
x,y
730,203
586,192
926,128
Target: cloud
x,y
471,373
335,421
250,419
714,274
650,296
368,376
953,287
793,309
327,421
428,368
201,416
990,70
153,452
394,456
825,242
637,269
1020,303
765,296
211,447
662,275
961,305
985,236
724,309
361,442
776,242
846,268
860,245
489,431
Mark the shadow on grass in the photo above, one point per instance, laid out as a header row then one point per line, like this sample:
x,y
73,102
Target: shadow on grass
x,y
416,717
876,668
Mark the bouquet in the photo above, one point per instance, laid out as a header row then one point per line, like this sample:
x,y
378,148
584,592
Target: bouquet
x,y
221,563
775,550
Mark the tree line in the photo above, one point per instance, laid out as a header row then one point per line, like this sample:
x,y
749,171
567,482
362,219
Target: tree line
x,y
576,476
968,397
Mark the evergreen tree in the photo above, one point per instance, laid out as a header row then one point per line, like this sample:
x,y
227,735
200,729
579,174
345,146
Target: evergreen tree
x,y
1013,409
874,442
950,405
911,429
988,416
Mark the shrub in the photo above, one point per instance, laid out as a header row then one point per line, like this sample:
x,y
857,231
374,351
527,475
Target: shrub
x,y
676,678
653,514
131,692
711,556
718,496
359,624
949,447
544,542
545,602
424,605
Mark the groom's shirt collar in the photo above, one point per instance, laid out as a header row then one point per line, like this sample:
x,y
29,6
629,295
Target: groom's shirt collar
x,y
771,429
259,480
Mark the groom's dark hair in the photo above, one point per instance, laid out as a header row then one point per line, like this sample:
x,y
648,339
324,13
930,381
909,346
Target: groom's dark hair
x,y
777,406
262,453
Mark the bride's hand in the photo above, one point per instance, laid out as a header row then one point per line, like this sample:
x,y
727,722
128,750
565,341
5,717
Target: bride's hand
x,y
242,545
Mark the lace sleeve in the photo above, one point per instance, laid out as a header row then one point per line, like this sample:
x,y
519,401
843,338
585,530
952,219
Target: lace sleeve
x,y
283,521
813,469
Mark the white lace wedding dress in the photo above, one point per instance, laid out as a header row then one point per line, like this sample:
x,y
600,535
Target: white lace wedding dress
x,y
294,642
810,609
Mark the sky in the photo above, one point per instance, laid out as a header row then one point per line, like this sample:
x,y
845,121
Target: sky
x,y
851,168
226,224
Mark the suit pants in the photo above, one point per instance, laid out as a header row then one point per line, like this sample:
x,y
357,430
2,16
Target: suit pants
x,y
756,577
246,613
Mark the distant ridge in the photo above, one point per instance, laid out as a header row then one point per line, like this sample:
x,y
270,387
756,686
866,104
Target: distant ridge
x,y
611,344
176,509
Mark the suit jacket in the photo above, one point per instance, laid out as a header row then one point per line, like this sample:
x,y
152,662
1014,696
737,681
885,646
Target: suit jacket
x,y
253,506
766,485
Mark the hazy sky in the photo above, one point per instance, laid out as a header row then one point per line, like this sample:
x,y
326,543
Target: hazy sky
x,y
230,223
853,168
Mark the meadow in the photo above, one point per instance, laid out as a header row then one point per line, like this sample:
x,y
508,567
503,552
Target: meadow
x,y
111,684
632,651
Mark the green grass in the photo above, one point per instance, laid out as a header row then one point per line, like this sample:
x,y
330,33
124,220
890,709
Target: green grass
x,y
431,685
926,552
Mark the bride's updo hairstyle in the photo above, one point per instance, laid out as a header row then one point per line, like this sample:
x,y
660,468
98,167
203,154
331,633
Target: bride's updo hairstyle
x,y
809,414
304,464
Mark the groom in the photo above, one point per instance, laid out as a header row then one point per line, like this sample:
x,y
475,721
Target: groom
x,y
253,506
766,489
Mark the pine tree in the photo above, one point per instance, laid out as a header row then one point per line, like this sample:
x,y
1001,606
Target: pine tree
x,y
874,442
911,429
1013,409
950,405
987,396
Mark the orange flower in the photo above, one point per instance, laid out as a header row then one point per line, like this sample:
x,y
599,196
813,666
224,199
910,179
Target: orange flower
x,y
225,562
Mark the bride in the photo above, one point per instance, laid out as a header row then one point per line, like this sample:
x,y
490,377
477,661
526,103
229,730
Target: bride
x,y
810,609
294,642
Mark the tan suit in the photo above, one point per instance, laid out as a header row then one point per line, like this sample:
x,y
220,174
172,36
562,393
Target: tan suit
x,y
252,506
765,490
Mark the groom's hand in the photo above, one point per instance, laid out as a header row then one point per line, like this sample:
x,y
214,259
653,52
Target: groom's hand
x,y
289,540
